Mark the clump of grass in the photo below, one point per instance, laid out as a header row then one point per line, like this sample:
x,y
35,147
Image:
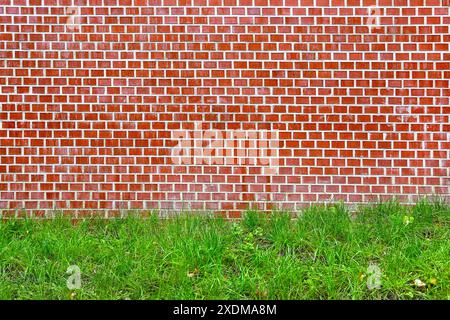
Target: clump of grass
x,y
325,253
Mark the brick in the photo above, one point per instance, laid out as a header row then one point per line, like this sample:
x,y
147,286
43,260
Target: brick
x,y
93,106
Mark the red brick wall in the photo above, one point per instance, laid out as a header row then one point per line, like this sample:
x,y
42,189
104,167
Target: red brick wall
x,y
108,104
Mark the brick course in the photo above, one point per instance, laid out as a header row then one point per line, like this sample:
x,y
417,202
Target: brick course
x,y
96,94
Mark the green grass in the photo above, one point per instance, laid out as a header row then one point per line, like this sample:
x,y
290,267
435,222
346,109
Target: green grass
x,y
324,254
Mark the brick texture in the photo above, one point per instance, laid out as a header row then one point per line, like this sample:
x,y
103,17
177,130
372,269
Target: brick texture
x,y
97,97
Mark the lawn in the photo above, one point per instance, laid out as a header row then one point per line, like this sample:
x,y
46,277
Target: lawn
x,y
382,251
